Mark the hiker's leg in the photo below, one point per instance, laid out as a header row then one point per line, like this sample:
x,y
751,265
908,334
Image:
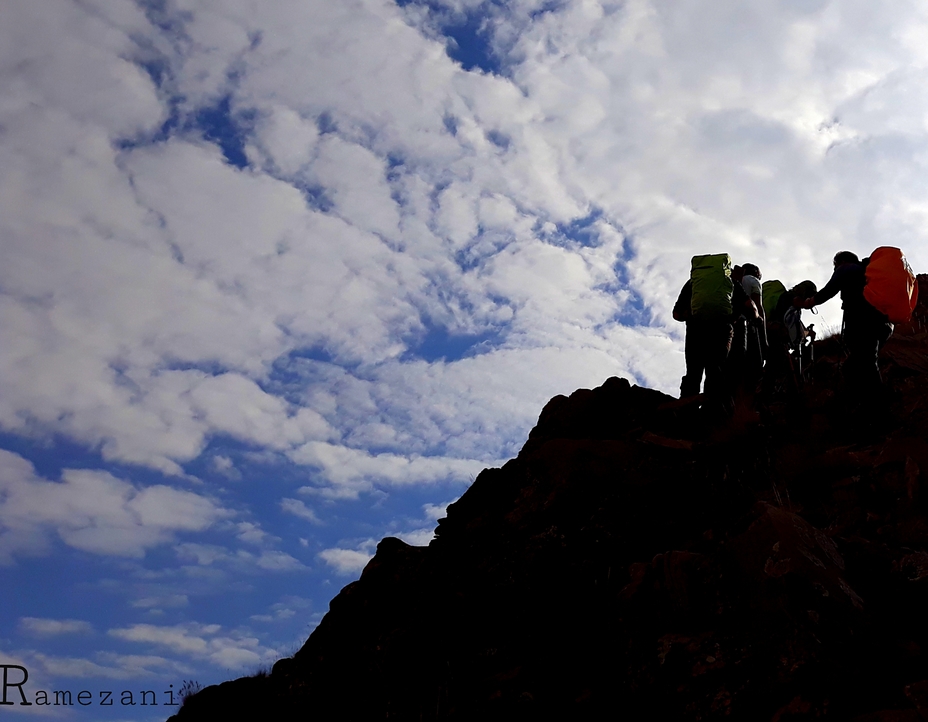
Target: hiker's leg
x,y
862,370
695,361
777,366
772,370
718,344
753,360
734,367
868,398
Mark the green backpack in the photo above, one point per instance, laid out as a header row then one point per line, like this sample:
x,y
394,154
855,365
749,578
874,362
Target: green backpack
x,y
712,286
771,292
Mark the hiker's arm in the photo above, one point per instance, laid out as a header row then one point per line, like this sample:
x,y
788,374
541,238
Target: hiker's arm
x,y
829,291
755,297
682,309
761,321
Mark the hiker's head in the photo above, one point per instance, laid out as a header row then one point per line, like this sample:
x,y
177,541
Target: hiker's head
x,y
737,273
806,289
842,257
751,270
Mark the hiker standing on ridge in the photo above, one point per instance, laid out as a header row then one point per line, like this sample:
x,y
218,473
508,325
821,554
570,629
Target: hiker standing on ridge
x,y
786,331
735,360
709,314
751,347
865,329
706,347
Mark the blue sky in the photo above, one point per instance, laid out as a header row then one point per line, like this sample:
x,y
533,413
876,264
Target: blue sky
x,y
278,282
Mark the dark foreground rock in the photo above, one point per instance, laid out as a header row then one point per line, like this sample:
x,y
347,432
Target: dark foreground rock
x,y
633,564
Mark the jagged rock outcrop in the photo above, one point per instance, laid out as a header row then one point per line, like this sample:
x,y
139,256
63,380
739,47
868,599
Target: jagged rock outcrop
x,y
633,562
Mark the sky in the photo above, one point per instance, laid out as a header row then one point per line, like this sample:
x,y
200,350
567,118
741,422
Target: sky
x,y
279,279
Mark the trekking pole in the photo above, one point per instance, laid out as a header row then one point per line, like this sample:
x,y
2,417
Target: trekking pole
x,y
811,348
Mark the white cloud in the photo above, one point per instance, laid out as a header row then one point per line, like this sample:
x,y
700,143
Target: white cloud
x,y
351,470
203,554
53,627
418,537
187,640
164,601
287,138
206,555
109,666
143,665
437,511
299,508
239,275
82,61
92,511
278,616
44,668
225,466
278,561
231,649
356,179
151,292
252,533
347,562
288,608
478,408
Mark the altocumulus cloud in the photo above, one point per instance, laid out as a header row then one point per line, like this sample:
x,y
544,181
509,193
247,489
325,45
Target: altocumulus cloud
x,y
52,627
349,471
348,561
396,194
181,283
230,649
107,666
299,508
239,560
92,511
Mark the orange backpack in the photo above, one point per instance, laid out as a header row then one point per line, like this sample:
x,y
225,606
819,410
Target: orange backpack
x,y
891,287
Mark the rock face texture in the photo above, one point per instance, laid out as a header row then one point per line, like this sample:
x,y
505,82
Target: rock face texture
x,y
635,563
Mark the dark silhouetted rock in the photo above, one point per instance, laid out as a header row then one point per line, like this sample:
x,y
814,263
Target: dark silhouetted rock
x,y
635,563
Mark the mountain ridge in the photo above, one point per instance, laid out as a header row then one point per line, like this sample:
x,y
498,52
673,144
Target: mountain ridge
x,y
635,559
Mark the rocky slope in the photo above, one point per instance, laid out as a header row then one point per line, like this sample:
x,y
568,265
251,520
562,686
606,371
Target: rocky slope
x,y
633,562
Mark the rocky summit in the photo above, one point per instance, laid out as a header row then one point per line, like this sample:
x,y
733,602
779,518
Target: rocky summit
x,y
636,562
